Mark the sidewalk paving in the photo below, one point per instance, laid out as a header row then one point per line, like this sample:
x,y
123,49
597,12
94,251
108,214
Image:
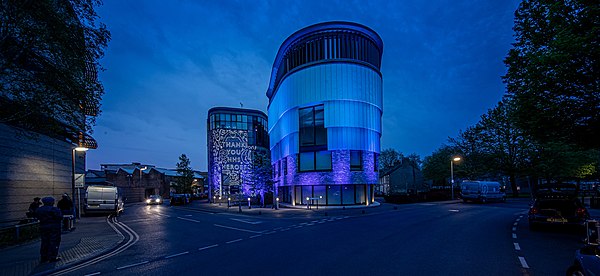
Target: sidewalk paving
x,y
92,237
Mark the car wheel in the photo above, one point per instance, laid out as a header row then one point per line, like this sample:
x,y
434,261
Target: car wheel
x,y
575,270
533,226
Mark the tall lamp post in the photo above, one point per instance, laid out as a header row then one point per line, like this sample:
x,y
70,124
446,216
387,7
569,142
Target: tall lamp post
x,y
78,210
455,159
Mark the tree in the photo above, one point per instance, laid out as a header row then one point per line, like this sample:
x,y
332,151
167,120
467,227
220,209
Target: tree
x,y
262,174
388,158
553,71
186,175
49,59
436,167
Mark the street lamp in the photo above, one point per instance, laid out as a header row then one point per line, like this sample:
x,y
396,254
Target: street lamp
x,y
249,207
78,210
455,159
228,202
277,206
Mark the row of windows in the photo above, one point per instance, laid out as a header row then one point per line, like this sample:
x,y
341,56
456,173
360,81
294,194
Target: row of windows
x,y
236,121
320,161
341,45
326,194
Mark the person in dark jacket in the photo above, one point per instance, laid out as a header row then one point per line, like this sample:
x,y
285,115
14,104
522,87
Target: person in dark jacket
x,y
50,218
66,208
33,207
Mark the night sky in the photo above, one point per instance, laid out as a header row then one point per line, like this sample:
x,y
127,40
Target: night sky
x,y
170,61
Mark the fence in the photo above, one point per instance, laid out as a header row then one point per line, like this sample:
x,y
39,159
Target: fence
x,y
24,231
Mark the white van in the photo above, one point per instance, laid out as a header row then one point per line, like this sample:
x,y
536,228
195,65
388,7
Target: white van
x,y
481,191
103,199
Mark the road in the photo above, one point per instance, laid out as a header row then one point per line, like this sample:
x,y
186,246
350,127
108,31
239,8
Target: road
x,y
414,239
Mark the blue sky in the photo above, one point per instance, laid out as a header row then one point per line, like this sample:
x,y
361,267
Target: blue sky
x,y
170,61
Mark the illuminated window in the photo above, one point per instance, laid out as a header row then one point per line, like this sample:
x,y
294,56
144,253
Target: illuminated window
x,y
355,160
315,161
313,134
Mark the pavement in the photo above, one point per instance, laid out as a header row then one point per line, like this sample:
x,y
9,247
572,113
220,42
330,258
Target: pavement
x,y
94,236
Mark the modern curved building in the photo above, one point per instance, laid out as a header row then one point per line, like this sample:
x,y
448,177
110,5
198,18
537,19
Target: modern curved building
x,y
325,106
235,135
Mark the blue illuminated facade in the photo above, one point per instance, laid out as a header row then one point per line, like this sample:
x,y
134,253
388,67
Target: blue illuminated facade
x,y
325,107
235,135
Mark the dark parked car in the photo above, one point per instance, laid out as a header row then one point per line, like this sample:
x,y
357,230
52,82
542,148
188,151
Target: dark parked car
x,y
178,199
586,261
557,208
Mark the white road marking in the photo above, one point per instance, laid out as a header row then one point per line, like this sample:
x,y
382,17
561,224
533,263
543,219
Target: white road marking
x,y
514,236
426,204
255,236
207,247
284,229
234,241
519,219
193,220
187,215
516,223
92,274
270,232
517,247
454,210
246,221
514,228
175,255
238,229
523,262
131,265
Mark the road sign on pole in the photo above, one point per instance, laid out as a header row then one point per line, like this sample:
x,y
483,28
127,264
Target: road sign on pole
x,y
79,180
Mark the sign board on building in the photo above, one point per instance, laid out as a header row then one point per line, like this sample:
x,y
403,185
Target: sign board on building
x,y
79,180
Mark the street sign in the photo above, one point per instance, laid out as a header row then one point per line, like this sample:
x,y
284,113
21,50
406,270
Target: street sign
x,y
79,180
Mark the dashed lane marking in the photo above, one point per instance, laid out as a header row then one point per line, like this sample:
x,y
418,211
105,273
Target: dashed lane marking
x,y
270,232
238,229
207,247
514,236
193,220
234,241
176,255
131,265
454,210
514,228
247,221
93,274
255,236
517,247
516,223
523,262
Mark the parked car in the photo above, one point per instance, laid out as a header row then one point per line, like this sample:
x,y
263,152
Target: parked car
x,y
557,208
154,199
178,199
482,191
103,199
586,261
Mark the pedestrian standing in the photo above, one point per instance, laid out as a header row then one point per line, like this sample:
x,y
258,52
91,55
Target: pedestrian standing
x,y
49,217
66,208
33,207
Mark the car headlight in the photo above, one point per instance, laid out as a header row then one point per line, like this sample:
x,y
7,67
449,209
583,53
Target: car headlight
x,y
148,201
158,200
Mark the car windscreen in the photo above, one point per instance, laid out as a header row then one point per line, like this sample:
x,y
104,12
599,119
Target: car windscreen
x,y
470,186
558,204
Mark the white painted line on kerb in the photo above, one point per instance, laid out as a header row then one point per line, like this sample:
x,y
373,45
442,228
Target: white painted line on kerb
x,y
235,241
238,229
188,219
131,265
515,224
454,210
519,219
514,228
175,255
270,232
523,262
514,236
207,247
517,247
92,274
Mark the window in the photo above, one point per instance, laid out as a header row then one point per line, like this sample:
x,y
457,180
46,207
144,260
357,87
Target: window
x,y
334,195
313,134
375,162
315,161
284,161
348,194
355,160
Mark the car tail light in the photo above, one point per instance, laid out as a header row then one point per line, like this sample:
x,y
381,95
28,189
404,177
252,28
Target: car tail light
x,y
533,211
581,212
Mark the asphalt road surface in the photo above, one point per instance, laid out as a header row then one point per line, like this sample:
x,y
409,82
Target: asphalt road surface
x,y
414,239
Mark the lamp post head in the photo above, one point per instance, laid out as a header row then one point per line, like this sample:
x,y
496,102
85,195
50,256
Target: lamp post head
x,y
81,149
456,159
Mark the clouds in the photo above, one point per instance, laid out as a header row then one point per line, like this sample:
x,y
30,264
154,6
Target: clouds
x,y
169,62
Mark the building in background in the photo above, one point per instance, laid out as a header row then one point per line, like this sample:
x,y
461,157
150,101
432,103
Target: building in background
x,y
325,107
139,181
235,136
403,178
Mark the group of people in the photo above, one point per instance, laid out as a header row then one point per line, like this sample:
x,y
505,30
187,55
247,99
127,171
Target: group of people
x,y
51,222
